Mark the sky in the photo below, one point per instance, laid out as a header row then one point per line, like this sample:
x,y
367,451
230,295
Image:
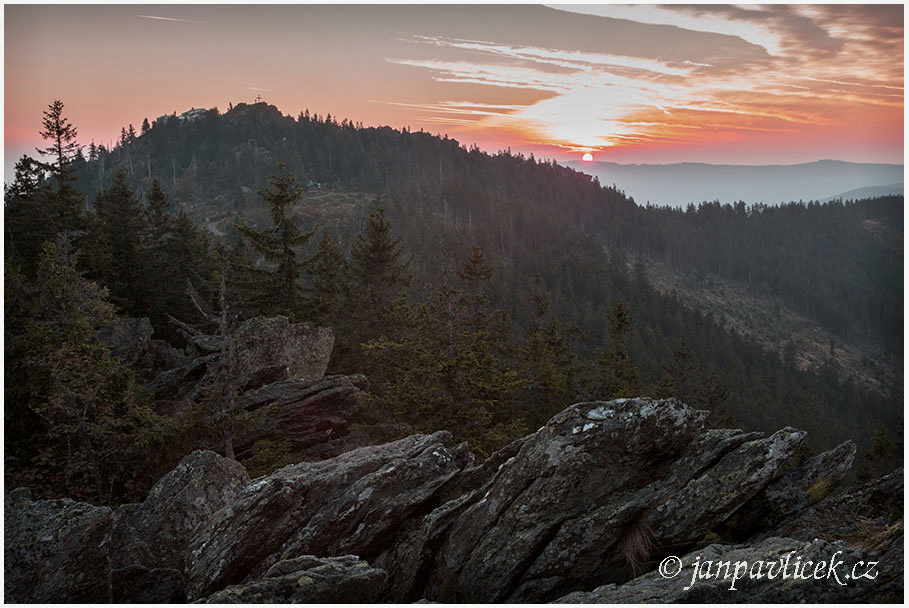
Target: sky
x,y
732,84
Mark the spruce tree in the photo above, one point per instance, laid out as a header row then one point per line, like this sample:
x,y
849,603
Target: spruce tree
x,y
379,277
329,287
680,376
28,220
187,257
160,272
121,217
379,267
275,290
546,362
475,273
159,224
67,204
87,423
618,377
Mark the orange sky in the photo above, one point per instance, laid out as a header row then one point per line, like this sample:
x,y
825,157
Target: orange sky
x,y
649,84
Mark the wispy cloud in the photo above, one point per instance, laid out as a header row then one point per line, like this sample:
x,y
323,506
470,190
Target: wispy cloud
x,y
158,18
821,72
667,15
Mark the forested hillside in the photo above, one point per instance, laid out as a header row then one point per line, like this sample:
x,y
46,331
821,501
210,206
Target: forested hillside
x,y
480,293
834,262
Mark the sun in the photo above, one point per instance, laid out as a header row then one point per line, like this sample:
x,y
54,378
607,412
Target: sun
x,y
587,157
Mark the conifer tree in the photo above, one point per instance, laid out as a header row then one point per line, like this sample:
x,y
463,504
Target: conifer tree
x,y
37,209
276,290
95,253
378,264
378,305
618,376
883,456
546,362
475,273
67,204
90,422
679,375
159,223
28,220
714,396
329,287
121,217
187,257
161,273
61,135
27,179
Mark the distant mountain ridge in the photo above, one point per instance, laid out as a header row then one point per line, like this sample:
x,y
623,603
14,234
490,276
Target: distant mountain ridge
x,y
867,192
682,183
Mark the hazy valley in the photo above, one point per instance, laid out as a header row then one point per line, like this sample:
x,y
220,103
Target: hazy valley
x,y
681,184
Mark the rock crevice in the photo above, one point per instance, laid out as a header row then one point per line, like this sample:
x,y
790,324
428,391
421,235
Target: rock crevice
x,y
574,512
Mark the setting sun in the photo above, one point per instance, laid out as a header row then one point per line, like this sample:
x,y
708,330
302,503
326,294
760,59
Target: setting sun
x,y
714,84
587,157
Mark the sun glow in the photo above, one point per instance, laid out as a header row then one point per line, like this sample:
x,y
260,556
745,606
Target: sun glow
x,y
587,157
701,94
718,83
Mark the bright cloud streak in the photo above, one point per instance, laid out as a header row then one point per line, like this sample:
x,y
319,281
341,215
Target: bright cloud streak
x,y
647,83
663,15
168,19
559,57
597,98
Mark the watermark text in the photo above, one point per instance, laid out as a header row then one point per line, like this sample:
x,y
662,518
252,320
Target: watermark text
x,y
787,567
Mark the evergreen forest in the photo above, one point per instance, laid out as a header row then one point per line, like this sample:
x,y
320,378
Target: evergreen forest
x,y
479,293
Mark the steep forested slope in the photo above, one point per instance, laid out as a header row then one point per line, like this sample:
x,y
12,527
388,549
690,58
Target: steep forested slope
x,y
536,218
817,259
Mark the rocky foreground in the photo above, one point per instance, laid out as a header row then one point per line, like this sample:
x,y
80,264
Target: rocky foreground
x,y
584,510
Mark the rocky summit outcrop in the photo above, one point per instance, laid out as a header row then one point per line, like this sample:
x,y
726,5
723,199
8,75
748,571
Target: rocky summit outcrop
x,y
55,551
302,349
127,338
856,536
588,498
268,350
352,504
307,413
152,536
583,510
283,385
309,580
130,340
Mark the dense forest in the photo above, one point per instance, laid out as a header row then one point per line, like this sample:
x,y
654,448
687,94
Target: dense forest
x,y
480,293
816,258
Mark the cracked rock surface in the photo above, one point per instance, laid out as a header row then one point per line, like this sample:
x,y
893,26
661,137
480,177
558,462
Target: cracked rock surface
x,y
583,510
